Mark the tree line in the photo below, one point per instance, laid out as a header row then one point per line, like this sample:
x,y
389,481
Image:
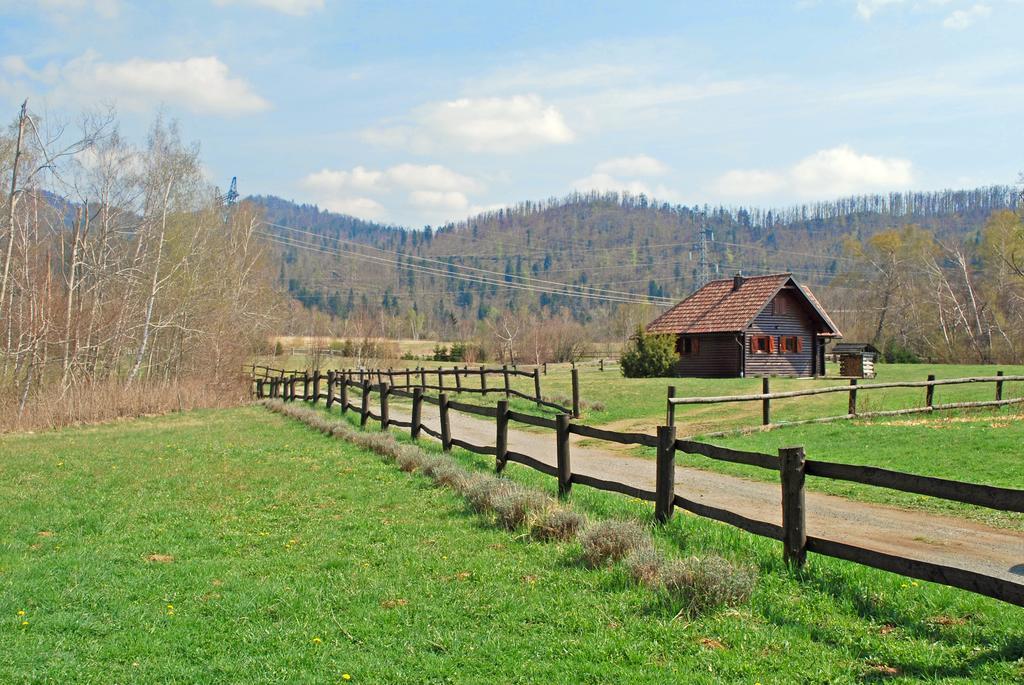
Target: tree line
x,y
122,265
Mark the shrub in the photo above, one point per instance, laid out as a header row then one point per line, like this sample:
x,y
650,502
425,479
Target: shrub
x,y
409,460
645,565
612,540
647,356
481,492
450,476
705,583
515,507
557,523
278,349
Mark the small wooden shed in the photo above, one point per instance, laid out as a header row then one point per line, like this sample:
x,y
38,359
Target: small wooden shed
x,y
856,360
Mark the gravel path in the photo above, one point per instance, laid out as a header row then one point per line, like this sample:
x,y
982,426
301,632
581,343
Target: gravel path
x,y
914,534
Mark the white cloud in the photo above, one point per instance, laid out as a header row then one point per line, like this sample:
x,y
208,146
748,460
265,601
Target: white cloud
x,y
959,20
451,201
827,173
613,176
296,8
61,9
200,84
868,8
430,190
748,182
639,165
492,124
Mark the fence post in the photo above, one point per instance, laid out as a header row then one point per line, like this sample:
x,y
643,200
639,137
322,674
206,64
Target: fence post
x,y
408,378
929,393
852,409
794,525
458,381
504,372
316,386
344,393
575,392
766,404
440,380
385,415
536,385
330,389
670,409
665,483
417,413
562,451
999,387
483,381
364,408
501,439
545,368
423,378
600,364
446,427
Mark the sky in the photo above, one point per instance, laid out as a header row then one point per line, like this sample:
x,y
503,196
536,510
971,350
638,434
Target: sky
x,y
417,113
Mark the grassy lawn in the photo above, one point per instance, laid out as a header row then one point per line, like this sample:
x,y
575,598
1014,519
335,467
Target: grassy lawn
x,y
286,556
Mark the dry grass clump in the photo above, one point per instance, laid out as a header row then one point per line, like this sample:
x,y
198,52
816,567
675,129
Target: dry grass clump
x,y
610,541
705,583
645,566
451,476
557,523
481,492
517,506
410,461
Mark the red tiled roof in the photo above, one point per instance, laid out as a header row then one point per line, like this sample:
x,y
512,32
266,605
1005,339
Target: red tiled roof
x,y
717,308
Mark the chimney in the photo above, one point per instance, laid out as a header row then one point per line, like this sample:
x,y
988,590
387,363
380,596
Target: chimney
x,y
737,281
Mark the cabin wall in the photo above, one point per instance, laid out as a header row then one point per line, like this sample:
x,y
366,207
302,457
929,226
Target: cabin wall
x,y
718,356
794,320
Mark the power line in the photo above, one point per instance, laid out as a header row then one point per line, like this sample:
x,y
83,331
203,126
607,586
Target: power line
x,y
482,278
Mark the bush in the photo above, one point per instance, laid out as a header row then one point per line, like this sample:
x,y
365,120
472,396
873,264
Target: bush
x,y
705,583
607,541
451,476
515,507
645,565
557,523
481,491
648,356
898,353
410,460
278,349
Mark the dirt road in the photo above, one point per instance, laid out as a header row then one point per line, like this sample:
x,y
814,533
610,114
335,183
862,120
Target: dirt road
x,y
914,534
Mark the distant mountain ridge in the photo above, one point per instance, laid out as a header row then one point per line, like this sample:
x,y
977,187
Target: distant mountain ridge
x,y
593,243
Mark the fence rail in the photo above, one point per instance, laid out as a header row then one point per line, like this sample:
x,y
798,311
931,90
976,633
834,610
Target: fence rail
x,y
765,397
791,464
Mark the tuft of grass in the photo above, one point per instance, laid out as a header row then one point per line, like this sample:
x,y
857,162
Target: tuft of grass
x,y
557,523
702,584
410,460
517,506
450,476
645,566
482,490
609,541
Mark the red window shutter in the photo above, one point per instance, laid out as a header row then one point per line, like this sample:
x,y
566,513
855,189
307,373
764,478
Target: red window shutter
x,y
799,344
771,344
695,346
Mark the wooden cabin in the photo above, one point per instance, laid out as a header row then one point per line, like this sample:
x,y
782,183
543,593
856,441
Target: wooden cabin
x,y
756,326
856,360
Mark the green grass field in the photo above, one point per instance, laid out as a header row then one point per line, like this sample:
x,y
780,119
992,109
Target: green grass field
x,y
240,546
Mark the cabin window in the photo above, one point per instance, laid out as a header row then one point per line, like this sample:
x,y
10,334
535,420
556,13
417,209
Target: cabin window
x,y
781,306
762,344
791,344
686,345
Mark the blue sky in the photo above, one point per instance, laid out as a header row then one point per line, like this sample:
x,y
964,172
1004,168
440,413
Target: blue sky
x,y
417,113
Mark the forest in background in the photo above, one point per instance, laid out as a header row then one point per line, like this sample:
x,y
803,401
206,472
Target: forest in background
x,y
128,282
934,275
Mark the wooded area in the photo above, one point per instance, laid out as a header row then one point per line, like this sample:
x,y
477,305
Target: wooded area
x,y
121,266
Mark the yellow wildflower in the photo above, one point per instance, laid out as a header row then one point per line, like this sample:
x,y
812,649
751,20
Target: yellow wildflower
x,y
21,612
24,623
317,640
346,676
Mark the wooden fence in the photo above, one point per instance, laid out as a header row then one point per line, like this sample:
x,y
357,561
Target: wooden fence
x,y
765,397
462,380
791,463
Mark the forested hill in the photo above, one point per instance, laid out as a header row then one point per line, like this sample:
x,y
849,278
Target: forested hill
x,y
602,245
